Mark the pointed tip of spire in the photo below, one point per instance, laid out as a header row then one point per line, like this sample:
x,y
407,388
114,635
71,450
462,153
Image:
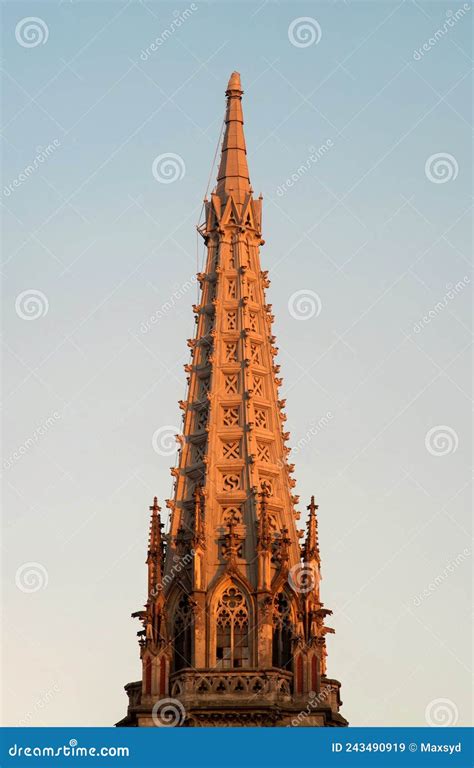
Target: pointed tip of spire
x,y
233,175
234,82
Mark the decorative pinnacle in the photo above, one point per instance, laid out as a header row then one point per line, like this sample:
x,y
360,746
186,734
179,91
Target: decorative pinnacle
x,y
155,541
156,548
311,546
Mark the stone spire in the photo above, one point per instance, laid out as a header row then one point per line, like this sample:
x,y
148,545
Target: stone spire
x,y
156,549
233,176
311,545
237,612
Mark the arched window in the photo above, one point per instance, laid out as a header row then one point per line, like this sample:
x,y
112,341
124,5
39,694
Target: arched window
x,y
182,634
147,675
232,640
282,632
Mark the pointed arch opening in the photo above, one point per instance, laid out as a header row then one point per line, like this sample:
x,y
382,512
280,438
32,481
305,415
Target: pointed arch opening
x,y
232,629
182,623
282,632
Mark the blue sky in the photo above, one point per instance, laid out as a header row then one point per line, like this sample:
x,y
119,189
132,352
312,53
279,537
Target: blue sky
x,y
369,228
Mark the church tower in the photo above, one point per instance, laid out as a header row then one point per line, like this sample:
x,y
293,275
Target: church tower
x,y
233,628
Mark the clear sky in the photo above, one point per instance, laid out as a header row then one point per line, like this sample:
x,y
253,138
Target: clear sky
x,y
377,226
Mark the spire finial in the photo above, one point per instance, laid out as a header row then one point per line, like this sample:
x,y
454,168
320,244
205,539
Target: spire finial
x,y
311,546
156,549
234,84
233,176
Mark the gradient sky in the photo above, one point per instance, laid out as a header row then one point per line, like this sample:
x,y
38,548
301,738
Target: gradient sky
x,y
365,228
